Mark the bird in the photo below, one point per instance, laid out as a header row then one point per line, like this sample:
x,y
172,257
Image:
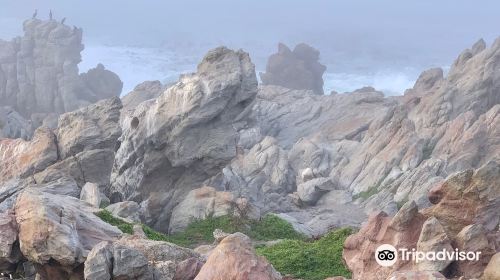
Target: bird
x,y
63,20
35,14
50,15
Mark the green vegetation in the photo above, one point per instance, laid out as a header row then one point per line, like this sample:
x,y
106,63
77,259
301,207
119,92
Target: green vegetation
x,y
272,227
106,216
199,232
314,260
366,194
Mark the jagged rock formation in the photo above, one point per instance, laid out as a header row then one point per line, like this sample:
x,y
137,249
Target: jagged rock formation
x,y
170,145
297,69
39,73
13,125
464,216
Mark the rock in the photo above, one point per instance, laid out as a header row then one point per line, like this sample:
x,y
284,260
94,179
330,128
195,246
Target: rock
x,y
297,69
200,204
142,92
102,83
173,144
57,232
461,219
360,247
235,258
297,226
188,269
137,258
9,252
129,263
492,271
13,125
20,158
433,238
474,238
89,128
91,194
262,175
416,275
311,191
219,235
40,72
98,262
128,210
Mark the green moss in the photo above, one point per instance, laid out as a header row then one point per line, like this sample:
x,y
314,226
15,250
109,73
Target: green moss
x,y
201,231
106,216
272,227
314,260
366,194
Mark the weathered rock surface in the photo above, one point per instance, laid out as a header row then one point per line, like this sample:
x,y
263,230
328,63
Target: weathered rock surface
x,y
492,271
91,194
20,158
142,92
462,217
39,72
13,125
297,69
57,232
136,258
129,210
200,204
235,258
184,136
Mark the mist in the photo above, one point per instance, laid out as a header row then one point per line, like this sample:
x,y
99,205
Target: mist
x,y
384,44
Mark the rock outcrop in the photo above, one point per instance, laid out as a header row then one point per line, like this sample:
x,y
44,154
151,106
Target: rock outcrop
x,y
464,217
39,73
57,232
297,69
235,258
172,144
136,258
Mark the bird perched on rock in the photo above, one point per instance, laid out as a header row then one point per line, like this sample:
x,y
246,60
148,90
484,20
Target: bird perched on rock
x,y
63,20
35,14
50,14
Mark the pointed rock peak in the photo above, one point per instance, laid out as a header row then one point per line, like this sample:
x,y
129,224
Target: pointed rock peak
x,y
428,79
283,49
478,47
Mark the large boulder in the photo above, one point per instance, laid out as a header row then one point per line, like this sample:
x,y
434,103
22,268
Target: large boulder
x,y
20,158
136,258
57,232
172,144
89,128
297,69
235,258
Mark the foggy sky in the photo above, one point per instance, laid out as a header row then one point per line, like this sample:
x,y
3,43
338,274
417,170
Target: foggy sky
x,y
424,32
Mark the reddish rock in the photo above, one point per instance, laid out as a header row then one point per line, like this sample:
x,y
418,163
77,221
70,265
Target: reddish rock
x,y
235,259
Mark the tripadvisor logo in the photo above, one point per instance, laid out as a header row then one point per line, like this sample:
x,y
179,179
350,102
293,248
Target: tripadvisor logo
x,y
387,255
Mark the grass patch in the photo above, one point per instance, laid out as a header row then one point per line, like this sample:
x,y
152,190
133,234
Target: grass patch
x,y
106,216
199,232
366,194
314,260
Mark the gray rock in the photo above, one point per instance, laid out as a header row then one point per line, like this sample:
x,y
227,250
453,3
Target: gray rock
x,y
13,125
60,229
297,69
89,128
91,194
129,210
40,73
311,191
184,137
433,238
